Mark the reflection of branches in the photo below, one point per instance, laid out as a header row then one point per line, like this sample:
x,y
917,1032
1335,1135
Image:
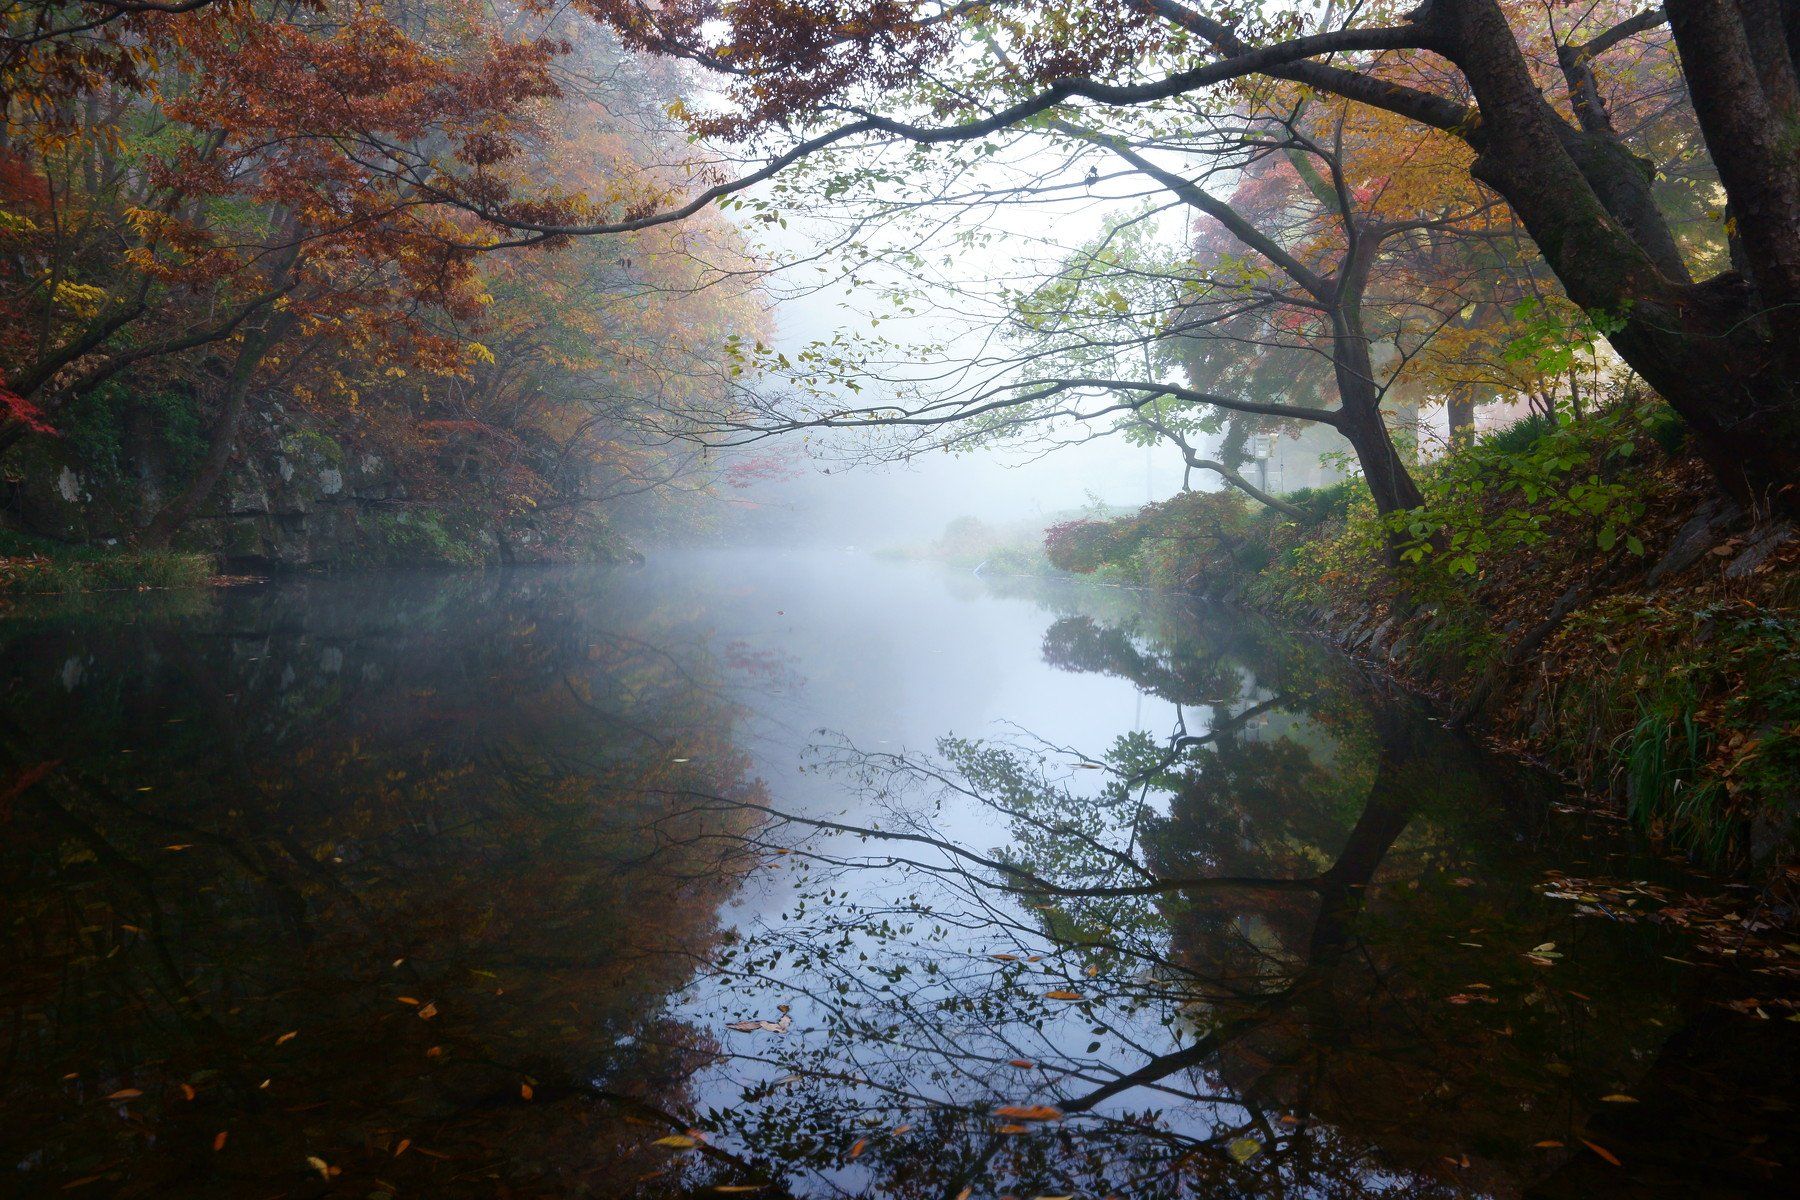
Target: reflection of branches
x,y
1018,879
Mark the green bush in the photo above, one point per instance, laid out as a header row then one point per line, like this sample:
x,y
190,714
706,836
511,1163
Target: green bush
x,y
1330,503
1512,492
1520,436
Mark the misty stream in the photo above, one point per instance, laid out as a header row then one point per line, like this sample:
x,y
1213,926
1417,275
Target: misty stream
x,y
764,874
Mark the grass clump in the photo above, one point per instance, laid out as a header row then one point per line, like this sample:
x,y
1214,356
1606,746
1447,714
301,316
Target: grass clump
x,y
90,570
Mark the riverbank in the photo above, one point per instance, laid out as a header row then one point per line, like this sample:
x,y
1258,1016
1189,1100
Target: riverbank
x,y
31,566
1623,625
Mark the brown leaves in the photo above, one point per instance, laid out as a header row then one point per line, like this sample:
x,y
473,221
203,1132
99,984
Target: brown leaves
x,y
1063,994
219,1140
780,1026
1603,1152
126,1094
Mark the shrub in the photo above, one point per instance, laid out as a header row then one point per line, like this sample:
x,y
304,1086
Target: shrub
x,y
1511,492
1330,503
1085,546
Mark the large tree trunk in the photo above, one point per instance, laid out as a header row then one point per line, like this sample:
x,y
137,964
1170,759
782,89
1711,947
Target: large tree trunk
x,y
1459,415
1723,353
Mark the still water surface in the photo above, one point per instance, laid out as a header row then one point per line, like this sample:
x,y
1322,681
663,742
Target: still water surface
x,y
765,875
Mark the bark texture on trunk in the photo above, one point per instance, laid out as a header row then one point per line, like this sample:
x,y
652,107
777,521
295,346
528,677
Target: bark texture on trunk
x,y
1725,352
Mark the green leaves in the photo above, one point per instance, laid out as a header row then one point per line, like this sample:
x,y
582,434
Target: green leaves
x,y
1504,496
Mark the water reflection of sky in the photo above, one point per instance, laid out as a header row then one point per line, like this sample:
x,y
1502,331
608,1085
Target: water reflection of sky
x,y
539,786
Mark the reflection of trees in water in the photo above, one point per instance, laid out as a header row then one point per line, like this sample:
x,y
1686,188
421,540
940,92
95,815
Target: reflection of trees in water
x,y
464,844
1233,962
416,830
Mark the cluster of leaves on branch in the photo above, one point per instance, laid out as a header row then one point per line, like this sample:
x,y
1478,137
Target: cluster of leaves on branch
x,y
1606,138
307,210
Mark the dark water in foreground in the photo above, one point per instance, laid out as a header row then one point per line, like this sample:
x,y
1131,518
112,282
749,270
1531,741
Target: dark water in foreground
x,y
764,876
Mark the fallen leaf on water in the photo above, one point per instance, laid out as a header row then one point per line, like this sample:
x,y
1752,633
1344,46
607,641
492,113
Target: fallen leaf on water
x,y
900,1129
428,1012
780,1026
125,1094
1547,1144
861,1145
1005,957
1603,1152
676,1141
525,1091
187,1092
405,1144
1243,1149
219,1140
1029,1112
1062,994
1619,1098
318,1164
1020,1062
1013,1129
287,1037
965,1193
407,1000
180,846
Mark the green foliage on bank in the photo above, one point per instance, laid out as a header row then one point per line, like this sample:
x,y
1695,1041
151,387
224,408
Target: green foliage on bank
x,y
1678,696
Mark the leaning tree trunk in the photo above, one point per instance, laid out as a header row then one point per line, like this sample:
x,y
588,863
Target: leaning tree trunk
x,y
1723,353
221,443
1359,417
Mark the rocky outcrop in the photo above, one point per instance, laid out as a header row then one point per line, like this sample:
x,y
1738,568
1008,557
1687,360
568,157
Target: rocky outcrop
x,y
293,499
